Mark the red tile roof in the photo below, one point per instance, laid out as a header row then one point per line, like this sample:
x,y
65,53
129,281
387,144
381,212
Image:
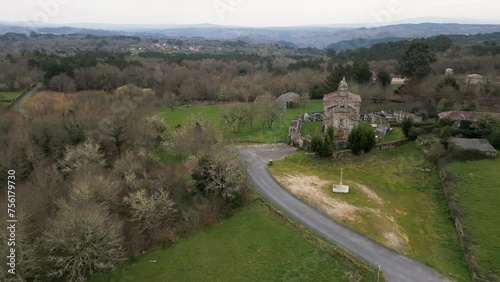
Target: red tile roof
x,y
466,116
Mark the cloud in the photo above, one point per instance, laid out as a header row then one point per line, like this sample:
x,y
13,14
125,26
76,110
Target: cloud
x,y
245,12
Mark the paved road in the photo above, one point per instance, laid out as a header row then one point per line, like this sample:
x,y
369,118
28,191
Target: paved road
x,y
395,266
18,107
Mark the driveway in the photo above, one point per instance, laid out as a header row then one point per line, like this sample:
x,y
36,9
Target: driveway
x,y
395,266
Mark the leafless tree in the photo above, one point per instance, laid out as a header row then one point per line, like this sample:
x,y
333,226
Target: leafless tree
x,y
236,116
82,240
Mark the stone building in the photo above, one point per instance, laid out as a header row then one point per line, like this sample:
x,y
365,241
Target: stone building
x,y
342,111
474,79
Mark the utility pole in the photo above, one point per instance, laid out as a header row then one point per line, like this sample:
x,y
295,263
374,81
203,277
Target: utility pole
x,y
281,123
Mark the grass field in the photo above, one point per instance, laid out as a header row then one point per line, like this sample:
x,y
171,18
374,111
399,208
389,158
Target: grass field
x,y
395,135
390,201
7,96
253,245
478,190
257,134
312,128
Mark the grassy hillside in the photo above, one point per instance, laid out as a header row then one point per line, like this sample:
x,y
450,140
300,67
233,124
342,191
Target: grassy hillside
x,y
256,134
478,190
391,201
253,245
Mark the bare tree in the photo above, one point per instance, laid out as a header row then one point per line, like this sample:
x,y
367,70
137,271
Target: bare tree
x,y
236,116
220,173
152,210
62,83
170,100
80,156
267,110
81,241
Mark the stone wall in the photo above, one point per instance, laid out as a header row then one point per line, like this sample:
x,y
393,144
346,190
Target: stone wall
x,y
295,139
383,146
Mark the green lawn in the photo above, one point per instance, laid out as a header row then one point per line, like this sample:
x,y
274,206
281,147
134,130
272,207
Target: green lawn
x,y
253,245
256,134
413,204
478,193
395,135
396,87
7,96
312,128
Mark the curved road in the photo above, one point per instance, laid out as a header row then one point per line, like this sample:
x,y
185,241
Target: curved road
x,y
18,106
395,266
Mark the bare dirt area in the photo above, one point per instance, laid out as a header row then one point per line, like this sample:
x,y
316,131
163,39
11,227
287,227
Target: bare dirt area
x,y
312,190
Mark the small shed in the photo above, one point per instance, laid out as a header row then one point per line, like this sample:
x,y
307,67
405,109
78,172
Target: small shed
x,y
288,100
481,146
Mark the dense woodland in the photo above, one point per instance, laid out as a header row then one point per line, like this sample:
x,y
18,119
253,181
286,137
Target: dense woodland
x,y
90,164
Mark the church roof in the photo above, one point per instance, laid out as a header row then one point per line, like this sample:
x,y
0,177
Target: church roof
x,y
333,97
344,89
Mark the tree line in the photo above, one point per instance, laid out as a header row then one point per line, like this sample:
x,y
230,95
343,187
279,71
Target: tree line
x,y
92,190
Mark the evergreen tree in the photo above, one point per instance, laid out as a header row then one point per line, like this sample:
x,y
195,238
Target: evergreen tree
x,y
384,78
362,139
417,60
333,80
362,72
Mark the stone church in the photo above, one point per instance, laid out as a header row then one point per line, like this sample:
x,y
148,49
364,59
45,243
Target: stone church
x,y
342,111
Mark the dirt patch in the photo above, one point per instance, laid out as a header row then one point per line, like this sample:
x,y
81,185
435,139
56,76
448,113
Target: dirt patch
x,y
311,189
394,241
370,193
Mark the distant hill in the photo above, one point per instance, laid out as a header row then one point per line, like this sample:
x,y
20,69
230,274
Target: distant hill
x,y
308,36
361,42
455,38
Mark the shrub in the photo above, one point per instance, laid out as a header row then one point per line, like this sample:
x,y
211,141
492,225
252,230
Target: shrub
x,y
316,144
413,133
362,138
406,125
495,137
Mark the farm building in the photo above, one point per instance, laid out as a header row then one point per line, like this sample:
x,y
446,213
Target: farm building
x,y
458,116
288,100
481,146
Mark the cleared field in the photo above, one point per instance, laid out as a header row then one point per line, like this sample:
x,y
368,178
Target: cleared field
x,y
257,134
478,189
253,245
391,201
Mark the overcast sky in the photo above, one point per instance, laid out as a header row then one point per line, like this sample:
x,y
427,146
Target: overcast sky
x,y
244,12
